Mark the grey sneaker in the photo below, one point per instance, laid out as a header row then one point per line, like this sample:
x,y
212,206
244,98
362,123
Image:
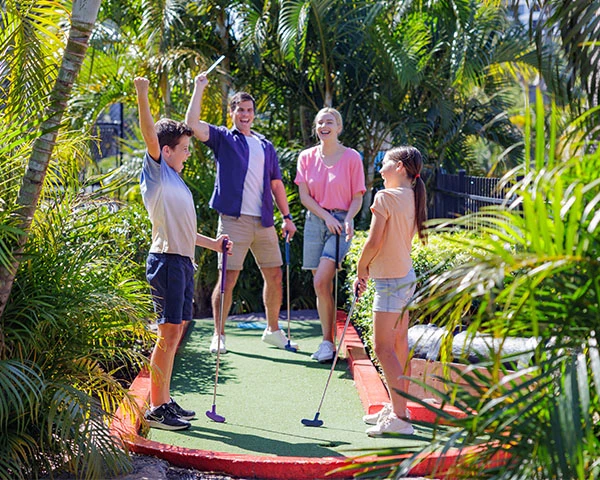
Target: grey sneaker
x,y
218,342
165,418
180,411
277,338
390,424
325,352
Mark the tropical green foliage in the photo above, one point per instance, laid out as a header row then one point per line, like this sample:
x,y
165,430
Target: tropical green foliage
x,y
74,325
82,20
75,321
571,61
535,274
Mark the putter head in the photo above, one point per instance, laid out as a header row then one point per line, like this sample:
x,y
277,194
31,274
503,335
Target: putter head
x,y
214,416
289,347
315,422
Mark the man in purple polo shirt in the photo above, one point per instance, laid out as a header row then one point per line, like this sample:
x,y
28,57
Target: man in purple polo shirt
x,y
247,180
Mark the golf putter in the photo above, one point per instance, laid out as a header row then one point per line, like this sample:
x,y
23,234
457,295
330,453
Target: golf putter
x,y
287,276
212,413
214,65
335,285
316,422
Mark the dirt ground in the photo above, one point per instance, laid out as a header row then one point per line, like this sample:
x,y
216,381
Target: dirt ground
x,y
152,468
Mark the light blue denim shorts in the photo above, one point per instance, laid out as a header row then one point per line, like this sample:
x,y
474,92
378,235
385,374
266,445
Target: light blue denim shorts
x,y
393,294
319,242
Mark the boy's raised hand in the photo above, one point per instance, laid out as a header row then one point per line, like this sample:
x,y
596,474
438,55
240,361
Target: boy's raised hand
x,y
141,84
219,243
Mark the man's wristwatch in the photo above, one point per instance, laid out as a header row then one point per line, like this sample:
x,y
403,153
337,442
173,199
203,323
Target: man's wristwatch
x,y
288,216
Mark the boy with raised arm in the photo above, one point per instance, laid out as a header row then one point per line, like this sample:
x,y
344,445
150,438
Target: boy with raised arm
x,y
170,265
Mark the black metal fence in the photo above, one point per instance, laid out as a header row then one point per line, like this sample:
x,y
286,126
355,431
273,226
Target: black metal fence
x,y
108,135
109,131
458,194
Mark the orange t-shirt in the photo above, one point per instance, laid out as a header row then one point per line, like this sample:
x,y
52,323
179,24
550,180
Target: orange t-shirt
x,y
397,206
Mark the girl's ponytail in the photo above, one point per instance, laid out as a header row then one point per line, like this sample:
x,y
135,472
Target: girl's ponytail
x,y
420,207
413,163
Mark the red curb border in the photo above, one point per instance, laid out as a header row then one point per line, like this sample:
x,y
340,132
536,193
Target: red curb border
x,y
371,391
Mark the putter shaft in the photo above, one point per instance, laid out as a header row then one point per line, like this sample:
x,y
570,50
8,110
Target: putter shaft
x,y
212,413
316,422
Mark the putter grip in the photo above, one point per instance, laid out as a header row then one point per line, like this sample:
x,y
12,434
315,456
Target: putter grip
x,y
224,266
287,249
337,251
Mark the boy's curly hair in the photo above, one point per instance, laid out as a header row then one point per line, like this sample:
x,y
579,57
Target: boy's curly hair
x,y
169,132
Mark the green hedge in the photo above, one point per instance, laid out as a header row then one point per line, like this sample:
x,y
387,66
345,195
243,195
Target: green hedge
x,y
442,252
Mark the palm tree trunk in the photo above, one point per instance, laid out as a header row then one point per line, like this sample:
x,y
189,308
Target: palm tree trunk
x,y
82,23
165,91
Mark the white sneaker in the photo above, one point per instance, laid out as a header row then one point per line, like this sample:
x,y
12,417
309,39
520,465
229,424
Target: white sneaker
x,y
375,418
218,342
325,352
277,338
390,424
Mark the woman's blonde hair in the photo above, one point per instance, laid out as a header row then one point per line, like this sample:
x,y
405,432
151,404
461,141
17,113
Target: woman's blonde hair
x,y
334,112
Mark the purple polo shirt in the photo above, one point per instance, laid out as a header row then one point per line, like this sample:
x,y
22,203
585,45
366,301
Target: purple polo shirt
x,y
232,155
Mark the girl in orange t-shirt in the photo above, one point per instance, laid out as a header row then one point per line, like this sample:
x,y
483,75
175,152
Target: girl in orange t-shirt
x,y
399,212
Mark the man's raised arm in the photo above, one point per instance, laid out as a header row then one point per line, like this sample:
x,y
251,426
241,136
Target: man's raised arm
x,y
192,116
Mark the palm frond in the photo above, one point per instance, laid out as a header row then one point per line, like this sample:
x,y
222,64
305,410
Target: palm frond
x,y
32,34
292,27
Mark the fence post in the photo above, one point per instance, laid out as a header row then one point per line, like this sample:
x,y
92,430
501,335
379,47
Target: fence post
x,y
438,203
462,188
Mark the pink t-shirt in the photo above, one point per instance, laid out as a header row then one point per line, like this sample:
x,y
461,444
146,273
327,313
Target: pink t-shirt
x,y
397,205
331,187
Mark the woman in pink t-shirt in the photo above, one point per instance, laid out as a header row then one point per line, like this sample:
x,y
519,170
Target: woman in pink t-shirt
x,y
399,211
331,181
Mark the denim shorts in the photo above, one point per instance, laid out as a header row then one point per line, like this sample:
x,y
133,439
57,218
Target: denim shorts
x,y
393,294
171,277
319,242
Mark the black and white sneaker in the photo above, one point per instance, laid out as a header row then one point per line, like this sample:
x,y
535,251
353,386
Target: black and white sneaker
x,y
165,418
180,411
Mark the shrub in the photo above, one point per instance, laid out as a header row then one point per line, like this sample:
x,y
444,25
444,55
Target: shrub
x,y
76,319
442,252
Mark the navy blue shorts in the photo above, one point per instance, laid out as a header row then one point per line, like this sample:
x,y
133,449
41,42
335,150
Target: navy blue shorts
x,y
171,277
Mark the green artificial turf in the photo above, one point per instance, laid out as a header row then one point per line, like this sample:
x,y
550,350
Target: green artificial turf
x,y
265,392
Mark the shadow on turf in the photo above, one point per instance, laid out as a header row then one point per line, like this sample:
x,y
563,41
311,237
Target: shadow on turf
x,y
259,444
194,370
297,359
